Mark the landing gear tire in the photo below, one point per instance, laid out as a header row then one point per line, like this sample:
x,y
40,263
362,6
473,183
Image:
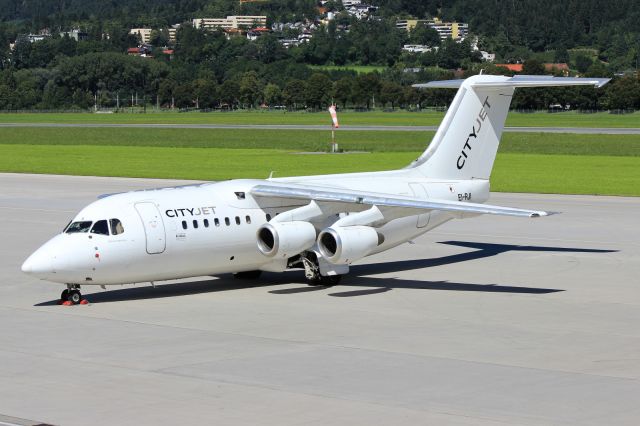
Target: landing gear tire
x,y
64,296
248,275
74,297
328,281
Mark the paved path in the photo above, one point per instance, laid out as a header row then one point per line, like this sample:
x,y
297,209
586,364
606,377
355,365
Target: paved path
x,y
578,130
488,320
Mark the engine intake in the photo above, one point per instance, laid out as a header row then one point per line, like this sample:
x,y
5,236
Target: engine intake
x,y
344,245
285,239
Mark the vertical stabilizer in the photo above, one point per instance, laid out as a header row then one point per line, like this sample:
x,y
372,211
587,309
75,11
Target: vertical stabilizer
x,y
466,143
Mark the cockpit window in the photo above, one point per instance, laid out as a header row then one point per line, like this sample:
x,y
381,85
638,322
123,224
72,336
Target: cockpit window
x,y
75,227
116,227
100,227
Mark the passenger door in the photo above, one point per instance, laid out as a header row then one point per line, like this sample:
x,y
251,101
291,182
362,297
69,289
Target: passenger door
x,y
153,227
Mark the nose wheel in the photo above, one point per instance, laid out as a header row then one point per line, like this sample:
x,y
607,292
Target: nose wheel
x,y
72,296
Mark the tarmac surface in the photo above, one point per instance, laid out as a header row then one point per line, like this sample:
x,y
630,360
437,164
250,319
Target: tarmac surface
x,y
490,320
577,130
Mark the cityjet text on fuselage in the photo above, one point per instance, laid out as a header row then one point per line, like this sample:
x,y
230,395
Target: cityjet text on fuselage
x,y
482,115
190,211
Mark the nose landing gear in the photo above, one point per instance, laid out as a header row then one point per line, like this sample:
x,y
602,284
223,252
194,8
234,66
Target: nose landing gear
x,y
72,296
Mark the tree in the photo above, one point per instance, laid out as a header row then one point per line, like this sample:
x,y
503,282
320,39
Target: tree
x,y
391,93
423,34
184,95
294,93
272,94
229,93
206,93
365,90
343,90
250,89
583,62
533,67
319,90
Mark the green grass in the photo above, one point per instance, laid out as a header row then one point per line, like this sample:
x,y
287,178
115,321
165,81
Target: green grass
x,y
512,172
566,174
527,162
309,140
186,163
397,118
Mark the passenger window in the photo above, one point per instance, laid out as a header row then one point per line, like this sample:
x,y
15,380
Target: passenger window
x,y
195,224
248,219
238,220
76,227
226,221
216,222
268,217
116,227
206,223
184,224
100,227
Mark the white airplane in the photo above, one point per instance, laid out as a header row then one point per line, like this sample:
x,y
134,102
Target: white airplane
x,y
320,224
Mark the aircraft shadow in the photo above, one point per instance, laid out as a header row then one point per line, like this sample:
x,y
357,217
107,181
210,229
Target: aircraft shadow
x,y
358,277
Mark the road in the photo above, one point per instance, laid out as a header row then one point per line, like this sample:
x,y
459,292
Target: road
x,y
577,130
488,320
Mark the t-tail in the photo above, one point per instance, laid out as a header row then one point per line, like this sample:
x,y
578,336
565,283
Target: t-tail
x,y
466,143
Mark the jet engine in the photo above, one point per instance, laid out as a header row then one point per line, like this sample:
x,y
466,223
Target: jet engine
x,y
285,239
344,245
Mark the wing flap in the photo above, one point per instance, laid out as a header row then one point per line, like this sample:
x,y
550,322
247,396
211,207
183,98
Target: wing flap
x,y
301,192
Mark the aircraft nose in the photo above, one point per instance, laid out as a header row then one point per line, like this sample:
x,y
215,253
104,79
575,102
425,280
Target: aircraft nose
x,y
38,264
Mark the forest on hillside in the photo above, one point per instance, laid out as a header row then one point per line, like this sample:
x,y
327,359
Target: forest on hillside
x,y
209,70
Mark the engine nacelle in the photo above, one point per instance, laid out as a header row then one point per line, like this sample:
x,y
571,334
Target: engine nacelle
x,y
344,245
285,239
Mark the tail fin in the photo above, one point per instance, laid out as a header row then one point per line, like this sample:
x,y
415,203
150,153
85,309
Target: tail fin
x,y
465,145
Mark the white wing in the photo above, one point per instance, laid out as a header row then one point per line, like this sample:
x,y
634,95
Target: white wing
x,y
304,192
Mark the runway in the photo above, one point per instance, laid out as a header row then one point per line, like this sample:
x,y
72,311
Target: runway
x,y
490,320
345,128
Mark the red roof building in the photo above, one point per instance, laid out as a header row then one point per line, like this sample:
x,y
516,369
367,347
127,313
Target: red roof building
x,y
511,67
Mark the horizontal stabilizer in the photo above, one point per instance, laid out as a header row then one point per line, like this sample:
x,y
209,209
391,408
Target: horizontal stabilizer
x,y
519,81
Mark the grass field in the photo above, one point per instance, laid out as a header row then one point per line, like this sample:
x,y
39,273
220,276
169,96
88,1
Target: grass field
x,y
308,141
562,174
580,164
379,118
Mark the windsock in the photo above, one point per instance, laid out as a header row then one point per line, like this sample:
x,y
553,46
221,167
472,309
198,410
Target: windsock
x,y
334,116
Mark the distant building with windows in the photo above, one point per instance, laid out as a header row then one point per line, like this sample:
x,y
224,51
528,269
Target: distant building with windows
x,y
173,31
230,22
143,33
453,30
75,34
419,48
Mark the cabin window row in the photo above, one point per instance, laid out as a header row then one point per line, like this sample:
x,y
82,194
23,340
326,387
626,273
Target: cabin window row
x,y
216,222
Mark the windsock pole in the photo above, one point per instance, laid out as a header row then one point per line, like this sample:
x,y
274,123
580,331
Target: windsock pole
x,y
334,126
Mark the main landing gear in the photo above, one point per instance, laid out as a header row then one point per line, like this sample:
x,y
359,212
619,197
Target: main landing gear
x,y
72,296
312,272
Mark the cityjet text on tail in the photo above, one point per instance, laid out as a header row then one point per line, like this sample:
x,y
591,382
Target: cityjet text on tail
x,y
319,224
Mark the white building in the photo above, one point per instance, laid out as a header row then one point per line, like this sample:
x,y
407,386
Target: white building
x,y
455,30
419,48
348,3
143,33
361,11
75,34
230,22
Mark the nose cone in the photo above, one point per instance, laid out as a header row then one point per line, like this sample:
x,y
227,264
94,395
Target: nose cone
x,y
39,264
